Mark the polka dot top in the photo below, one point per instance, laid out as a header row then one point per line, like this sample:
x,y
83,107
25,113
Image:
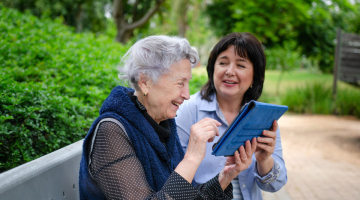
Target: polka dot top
x,y
118,172
120,175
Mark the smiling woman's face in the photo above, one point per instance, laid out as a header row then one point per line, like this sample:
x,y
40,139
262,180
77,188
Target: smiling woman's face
x,y
233,75
166,95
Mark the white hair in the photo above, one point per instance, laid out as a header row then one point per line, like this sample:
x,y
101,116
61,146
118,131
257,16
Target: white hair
x,y
153,56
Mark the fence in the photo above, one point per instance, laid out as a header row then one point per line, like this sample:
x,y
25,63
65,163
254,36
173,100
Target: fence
x,y
347,59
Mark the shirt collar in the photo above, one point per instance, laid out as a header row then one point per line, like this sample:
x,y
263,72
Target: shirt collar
x,y
209,105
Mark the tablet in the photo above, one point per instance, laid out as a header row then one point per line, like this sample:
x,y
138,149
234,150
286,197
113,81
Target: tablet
x,y
252,120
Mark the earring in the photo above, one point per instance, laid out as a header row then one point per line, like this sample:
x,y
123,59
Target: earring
x,y
250,86
145,94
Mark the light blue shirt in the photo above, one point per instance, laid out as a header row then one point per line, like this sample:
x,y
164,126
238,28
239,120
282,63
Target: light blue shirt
x,y
250,182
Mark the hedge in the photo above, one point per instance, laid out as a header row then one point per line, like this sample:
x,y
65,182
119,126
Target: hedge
x,y
53,82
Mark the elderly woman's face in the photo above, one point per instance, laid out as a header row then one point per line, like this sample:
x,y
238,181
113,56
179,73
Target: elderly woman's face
x,y
169,92
233,75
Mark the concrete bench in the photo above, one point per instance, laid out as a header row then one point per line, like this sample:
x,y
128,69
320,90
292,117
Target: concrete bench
x,y
51,177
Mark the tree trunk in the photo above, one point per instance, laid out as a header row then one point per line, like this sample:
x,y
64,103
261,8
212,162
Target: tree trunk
x,y
125,30
124,35
182,6
78,20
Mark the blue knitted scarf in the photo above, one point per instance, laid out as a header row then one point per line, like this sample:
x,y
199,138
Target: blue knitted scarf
x,y
158,162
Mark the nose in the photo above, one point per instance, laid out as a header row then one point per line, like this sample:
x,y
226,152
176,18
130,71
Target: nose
x,y
230,70
185,92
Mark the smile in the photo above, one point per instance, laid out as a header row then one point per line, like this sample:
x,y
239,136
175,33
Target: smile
x,y
176,104
229,82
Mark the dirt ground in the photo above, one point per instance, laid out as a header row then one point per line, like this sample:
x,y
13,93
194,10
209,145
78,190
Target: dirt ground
x,y
322,157
333,138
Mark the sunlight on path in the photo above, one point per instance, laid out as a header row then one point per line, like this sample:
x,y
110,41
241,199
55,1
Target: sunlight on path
x,y
322,158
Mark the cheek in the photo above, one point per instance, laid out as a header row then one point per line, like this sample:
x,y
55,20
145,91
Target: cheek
x,y
217,74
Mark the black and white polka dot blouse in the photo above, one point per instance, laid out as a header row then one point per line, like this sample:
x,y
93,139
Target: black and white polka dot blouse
x,y
120,175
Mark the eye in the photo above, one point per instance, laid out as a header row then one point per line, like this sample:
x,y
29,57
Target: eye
x,y
181,83
222,63
241,66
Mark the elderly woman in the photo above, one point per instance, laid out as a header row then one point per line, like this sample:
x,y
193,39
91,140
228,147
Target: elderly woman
x,y
236,69
132,150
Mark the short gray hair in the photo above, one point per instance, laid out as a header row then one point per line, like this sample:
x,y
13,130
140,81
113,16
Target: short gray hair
x,y
153,56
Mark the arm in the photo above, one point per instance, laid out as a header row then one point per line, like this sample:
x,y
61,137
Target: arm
x,y
187,117
270,170
233,165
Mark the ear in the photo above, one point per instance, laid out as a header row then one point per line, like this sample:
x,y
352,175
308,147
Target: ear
x,y
144,84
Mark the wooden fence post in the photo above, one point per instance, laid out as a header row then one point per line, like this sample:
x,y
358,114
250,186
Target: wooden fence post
x,y
337,61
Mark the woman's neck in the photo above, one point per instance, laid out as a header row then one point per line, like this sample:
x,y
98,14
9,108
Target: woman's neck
x,y
230,107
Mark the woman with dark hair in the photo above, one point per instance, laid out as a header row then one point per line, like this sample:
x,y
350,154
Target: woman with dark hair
x,y
236,70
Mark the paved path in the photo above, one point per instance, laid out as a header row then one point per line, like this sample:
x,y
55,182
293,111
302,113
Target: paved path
x,y
322,156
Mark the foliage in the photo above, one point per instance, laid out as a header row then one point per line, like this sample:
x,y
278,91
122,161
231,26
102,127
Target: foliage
x,y
52,84
197,82
284,59
79,65
355,21
316,98
198,33
131,15
80,14
310,24
347,102
35,121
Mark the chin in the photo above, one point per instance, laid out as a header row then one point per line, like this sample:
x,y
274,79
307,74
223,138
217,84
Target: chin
x,y
172,116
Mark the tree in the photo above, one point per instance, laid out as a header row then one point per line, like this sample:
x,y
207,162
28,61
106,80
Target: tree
x,y
311,24
83,15
181,15
129,16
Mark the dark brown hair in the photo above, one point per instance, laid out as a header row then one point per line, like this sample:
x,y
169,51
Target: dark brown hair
x,y
247,46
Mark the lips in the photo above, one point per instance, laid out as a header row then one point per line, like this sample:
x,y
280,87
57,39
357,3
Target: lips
x,y
229,82
176,103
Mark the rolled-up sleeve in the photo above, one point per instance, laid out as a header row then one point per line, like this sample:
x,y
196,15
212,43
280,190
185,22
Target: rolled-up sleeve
x,y
277,177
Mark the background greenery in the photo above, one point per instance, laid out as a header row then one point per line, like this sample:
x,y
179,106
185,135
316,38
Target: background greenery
x,y
58,59
53,83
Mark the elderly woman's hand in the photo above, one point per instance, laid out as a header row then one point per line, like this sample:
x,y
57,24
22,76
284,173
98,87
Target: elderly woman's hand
x,y
202,132
237,163
265,147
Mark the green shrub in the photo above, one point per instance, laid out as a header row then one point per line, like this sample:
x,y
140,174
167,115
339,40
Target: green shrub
x,y
44,51
316,98
348,102
35,121
197,82
52,84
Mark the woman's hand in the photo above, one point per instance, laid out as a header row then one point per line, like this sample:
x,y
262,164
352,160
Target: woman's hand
x,y
202,132
237,163
266,147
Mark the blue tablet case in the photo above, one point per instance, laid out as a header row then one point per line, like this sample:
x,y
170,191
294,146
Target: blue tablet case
x,y
249,123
